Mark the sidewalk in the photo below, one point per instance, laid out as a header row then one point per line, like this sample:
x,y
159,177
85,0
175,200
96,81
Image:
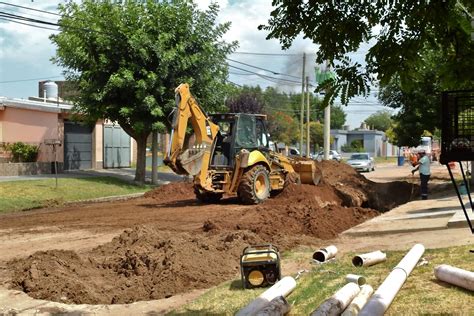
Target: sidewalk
x,y
125,174
441,212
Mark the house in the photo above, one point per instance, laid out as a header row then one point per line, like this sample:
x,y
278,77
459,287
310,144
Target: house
x,y
47,119
373,141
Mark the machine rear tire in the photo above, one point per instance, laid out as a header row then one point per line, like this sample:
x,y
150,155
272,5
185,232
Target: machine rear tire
x,y
207,197
254,186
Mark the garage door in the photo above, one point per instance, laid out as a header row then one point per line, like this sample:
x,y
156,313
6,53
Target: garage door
x,y
116,147
77,146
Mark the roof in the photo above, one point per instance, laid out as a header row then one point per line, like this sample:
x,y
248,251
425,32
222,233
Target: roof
x,y
357,132
48,106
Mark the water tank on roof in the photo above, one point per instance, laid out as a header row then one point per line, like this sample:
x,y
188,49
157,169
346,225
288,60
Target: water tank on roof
x,y
51,89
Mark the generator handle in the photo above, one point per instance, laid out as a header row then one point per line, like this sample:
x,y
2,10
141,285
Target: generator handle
x,y
271,247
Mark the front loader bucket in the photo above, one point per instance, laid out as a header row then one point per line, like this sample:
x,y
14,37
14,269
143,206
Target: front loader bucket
x,y
308,171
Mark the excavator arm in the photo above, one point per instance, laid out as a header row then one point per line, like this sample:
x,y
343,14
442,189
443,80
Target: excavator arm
x,y
191,161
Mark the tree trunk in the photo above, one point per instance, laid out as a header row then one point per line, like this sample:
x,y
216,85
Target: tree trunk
x,y
140,172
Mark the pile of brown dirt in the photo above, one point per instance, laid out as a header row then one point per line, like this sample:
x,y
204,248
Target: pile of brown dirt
x,y
313,211
355,190
187,245
141,264
172,192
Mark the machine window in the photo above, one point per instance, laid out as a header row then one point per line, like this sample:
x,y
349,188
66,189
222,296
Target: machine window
x,y
246,134
261,135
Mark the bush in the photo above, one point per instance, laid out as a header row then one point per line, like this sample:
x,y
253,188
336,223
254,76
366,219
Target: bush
x,y
356,146
22,152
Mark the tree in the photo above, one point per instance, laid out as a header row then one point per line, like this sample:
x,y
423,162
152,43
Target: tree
x,y
282,127
338,117
418,104
380,120
127,58
246,100
399,30
316,135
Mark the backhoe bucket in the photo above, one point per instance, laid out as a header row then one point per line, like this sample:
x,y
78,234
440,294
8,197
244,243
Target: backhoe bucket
x,y
191,160
308,171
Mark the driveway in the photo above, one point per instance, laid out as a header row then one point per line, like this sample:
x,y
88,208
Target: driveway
x,y
126,174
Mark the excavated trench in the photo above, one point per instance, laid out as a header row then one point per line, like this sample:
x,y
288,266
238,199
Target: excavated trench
x,y
148,262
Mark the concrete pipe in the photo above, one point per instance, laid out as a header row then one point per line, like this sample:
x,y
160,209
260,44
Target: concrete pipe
x,y
282,288
359,301
357,279
337,303
383,297
456,276
324,254
369,259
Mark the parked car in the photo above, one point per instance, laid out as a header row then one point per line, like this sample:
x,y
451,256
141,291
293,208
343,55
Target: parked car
x,y
362,162
333,155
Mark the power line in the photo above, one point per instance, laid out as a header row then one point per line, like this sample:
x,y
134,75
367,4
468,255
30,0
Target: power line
x,y
29,14
23,18
32,25
32,79
28,8
269,78
264,69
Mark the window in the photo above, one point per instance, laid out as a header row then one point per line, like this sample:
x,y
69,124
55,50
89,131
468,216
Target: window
x,y
262,139
246,134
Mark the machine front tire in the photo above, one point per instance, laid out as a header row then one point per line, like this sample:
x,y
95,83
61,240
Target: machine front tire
x,y
292,178
207,197
254,186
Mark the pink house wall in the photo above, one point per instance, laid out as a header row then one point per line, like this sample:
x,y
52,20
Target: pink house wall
x,y
32,127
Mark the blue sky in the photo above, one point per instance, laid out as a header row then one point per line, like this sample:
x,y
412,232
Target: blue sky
x,y
25,52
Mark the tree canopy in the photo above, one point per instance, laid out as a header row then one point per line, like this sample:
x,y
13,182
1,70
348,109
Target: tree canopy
x,y
283,111
246,100
396,31
127,58
418,104
380,120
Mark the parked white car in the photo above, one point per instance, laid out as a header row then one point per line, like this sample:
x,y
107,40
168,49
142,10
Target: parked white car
x,y
333,155
362,162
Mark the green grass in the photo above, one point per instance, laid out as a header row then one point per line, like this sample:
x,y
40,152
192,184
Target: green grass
x,y
22,195
421,293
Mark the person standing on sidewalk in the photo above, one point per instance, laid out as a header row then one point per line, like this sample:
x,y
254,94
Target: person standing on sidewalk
x,y
423,166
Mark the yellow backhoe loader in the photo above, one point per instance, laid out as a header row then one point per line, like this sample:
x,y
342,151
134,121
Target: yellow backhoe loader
x,y
231,154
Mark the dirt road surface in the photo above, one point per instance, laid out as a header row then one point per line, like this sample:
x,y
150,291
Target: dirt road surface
x,y
166,247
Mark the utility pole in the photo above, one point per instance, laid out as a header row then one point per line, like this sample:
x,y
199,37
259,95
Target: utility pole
x,y
154,157
307,118
327,128
327,131
302,106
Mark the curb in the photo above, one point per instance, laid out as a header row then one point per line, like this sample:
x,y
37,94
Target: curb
x,y
107,199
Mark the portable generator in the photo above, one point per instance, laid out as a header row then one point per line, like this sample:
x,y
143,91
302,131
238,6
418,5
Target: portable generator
x,y
260,266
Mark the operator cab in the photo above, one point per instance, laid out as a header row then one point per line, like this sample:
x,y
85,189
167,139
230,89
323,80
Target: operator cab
x,y
237,132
